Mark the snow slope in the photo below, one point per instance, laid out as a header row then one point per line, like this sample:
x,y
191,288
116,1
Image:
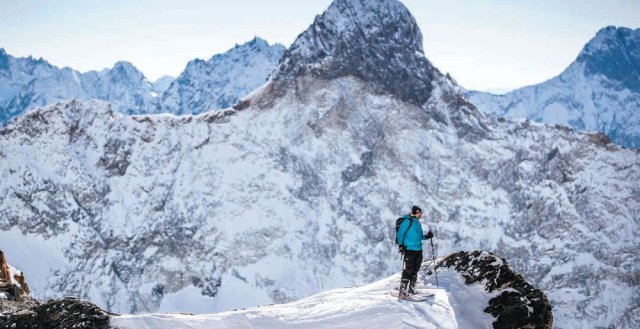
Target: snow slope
x,y
454,305
600,91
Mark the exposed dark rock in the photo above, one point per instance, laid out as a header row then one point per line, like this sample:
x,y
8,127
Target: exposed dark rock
x,y
57,314
376,41
614,54
355,171
600,139
116,156
520,305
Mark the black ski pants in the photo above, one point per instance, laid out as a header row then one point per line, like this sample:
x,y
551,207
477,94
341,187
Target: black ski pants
x,y
411,266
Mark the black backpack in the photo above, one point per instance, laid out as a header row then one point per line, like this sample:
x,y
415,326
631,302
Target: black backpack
x,y
398,223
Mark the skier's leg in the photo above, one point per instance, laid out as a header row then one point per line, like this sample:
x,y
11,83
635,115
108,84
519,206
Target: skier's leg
x,y
408,269
414,274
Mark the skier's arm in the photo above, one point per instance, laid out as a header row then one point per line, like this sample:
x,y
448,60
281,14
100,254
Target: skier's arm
x,y
427,236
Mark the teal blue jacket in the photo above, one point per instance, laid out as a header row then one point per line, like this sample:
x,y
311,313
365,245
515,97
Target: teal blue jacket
x,y
414,236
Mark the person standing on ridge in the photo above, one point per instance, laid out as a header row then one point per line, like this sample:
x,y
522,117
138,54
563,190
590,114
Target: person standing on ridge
x,y
409,237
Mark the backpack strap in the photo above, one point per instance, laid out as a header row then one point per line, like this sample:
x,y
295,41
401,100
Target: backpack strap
x,y
404,237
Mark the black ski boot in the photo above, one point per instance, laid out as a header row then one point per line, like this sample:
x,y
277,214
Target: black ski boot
x,y
403,293
412,288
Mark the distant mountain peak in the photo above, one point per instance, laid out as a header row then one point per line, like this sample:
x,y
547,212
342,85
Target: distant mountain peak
x,y
219,82
614,53
127,69
256,42
600,91
376,41
124,65
4,59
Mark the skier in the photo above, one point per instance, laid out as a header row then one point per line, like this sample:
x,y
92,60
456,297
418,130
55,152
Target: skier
x,y
409,237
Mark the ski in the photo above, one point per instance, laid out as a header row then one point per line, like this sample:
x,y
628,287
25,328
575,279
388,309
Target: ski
x,y
420,297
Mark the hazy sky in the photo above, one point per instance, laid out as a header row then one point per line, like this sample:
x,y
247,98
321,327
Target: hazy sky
x,y
484,44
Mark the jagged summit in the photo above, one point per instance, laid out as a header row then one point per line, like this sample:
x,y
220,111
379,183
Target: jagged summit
x,y
124,65
256,42
219,82
377,41
125,72
615,53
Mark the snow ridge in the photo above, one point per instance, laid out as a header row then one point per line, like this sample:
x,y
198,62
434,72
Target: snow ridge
x,y
456,303
26,83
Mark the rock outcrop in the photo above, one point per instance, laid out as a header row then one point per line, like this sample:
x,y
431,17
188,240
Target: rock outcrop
x,y
518,304
57,314
13,285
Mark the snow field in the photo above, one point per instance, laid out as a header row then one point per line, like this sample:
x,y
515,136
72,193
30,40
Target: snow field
x,y
454,305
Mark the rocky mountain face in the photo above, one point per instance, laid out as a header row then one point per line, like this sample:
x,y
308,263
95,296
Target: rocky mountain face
x,y
219,82
296,189
600,91
339,44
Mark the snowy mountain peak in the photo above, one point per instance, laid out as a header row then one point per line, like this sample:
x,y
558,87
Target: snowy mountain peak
x,y
124,66
614,53
219,82
600,91
126,70
4,59
376,41
256,42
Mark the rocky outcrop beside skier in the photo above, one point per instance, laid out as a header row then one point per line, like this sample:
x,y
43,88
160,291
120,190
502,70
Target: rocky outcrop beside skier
x,y
517,304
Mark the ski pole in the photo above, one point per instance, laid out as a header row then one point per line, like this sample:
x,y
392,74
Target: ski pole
x,y
433,255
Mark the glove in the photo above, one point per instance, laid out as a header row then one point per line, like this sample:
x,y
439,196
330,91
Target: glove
x,y
402,249
429,235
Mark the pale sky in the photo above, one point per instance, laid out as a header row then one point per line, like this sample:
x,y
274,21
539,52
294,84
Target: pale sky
x,y
483,44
